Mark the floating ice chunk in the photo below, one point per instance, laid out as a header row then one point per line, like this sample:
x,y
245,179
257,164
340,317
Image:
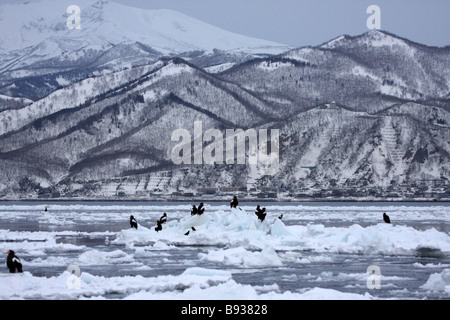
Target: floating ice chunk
x,y
430,265
231,290
240,256
39,247
96,257
160,245
438,282
8,235
315,229
194,221
203,272
329,294
194,283
377,239
141,236
279,229
27,286
238,228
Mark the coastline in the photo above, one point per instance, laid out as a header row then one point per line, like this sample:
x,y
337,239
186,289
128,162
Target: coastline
x,y
226,200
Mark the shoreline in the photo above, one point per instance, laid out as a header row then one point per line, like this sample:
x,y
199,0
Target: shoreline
x,y
445,200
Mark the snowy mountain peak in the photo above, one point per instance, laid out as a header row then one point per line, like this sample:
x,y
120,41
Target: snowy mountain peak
x,y
379,38
29,23
373,38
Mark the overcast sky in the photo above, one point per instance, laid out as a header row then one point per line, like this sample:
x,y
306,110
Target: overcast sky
x,y
312,22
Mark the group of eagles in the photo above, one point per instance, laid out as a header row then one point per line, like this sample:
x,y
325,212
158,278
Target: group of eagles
x,y
15,266
260,213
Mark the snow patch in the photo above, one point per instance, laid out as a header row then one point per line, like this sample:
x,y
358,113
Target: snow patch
x,y
438,282
240,256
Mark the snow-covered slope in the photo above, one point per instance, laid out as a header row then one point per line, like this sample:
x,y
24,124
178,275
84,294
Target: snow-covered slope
x,y
357,111
39,53
28,24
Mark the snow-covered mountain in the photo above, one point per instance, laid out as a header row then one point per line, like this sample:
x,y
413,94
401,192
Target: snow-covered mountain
x,y
96,119
44,24
39,53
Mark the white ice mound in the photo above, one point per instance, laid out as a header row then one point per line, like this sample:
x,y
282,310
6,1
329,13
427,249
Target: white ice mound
x,y
195,221
27,286
238,228
439,282
193,283
211,273
221,228
96,257
279,229
331,294
383,239
242,257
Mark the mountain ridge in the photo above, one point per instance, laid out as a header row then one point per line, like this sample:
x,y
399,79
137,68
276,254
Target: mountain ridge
x,y
40,54
105,22
357,114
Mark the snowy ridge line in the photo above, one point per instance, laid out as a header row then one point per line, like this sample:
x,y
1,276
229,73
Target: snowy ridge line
x,y
38,112
297,98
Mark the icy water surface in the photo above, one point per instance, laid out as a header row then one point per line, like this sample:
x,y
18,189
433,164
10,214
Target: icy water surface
x,y
321,245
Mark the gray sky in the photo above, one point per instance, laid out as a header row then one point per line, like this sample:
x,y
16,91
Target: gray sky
x,y
312,22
